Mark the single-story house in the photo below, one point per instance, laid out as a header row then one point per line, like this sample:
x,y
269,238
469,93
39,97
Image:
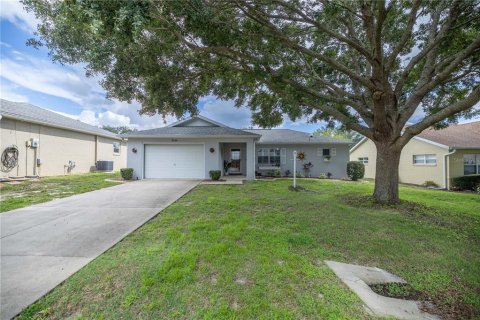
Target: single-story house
x,y
433,155
190,148
40,142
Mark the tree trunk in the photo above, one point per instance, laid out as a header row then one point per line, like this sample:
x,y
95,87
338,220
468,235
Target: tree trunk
x,y
386,175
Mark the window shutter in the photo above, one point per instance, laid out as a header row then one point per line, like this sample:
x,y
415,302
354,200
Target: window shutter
x,y
333,152
283,155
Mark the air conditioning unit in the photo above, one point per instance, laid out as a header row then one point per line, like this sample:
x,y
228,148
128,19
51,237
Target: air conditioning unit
x,y
34,143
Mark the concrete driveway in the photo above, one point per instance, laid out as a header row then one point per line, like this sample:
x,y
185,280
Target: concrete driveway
x,y
44,244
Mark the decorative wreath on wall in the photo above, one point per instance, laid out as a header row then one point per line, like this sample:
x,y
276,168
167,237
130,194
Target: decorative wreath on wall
x,y
9,158
301,155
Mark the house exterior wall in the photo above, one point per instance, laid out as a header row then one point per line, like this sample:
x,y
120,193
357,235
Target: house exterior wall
x,y
213,161
337,165
56,148
455,162
366,149
408,171
105,152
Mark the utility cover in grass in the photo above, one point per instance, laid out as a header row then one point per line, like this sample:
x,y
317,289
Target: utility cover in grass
x,y
360,279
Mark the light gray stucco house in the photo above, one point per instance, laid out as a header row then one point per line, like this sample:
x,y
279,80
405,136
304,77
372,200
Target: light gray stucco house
x,y
190,148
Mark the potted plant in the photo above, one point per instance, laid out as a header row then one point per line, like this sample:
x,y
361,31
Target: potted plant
x,y
306,168
226,166
326,158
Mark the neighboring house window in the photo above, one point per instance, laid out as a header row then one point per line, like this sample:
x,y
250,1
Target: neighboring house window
x,y
325,152
116,147
425,159
363,160
471,164
269,156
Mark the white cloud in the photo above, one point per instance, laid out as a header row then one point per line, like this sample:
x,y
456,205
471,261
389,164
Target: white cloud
x,y
7,92
4,44
41,76
14,12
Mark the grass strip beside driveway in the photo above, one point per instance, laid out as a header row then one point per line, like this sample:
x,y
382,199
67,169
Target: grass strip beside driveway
x,y
256,251
26,193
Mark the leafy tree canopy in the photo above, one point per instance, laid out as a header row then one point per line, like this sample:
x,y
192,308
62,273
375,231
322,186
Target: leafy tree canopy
x,y
370,64
119,129
338,132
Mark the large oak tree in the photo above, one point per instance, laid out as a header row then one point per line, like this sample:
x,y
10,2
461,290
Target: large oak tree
x,y
368,64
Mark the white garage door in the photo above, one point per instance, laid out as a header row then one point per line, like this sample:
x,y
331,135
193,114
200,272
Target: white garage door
x,y
174,161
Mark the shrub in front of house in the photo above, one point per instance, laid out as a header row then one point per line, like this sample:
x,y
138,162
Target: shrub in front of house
x,y
355,170
430,184
127,173
215,174
470,182
274,173
300,175
322,176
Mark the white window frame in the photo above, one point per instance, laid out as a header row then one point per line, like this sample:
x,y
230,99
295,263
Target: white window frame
x,y
266,152
119,147
283,156
363,160
425,157
476,162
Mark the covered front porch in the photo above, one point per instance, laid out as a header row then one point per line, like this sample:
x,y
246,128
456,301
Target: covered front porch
x,y
234,159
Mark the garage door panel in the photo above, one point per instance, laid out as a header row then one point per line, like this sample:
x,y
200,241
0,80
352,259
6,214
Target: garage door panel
x,y
174,161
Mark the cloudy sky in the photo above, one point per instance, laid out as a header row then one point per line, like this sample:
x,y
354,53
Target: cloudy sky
x,y
28,75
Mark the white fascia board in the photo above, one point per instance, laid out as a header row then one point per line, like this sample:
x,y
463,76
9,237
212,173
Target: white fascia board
x,y
432,142
358,144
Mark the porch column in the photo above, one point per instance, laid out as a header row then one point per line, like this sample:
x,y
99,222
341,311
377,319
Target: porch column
x,y
250,160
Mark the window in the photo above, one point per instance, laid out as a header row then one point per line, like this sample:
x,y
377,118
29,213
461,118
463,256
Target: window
x,y
326,152
269,156
425,159
363,160
471,164
235,154
116,147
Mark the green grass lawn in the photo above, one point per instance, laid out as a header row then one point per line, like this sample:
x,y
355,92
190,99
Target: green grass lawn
x,y
256,251
26,193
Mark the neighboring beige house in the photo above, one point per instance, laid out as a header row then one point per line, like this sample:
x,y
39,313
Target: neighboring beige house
x,y
49,144
433,155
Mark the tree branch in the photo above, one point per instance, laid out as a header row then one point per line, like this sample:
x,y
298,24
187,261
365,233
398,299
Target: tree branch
x,y
405,36
279,35
430,120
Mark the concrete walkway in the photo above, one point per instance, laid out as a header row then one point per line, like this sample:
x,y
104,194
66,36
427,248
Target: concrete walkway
x,y
44,244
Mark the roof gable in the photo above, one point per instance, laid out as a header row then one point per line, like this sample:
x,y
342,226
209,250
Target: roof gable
x,y
197,121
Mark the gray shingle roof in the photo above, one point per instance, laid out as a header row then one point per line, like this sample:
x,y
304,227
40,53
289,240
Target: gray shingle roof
x,y
190,132
288,136
30,113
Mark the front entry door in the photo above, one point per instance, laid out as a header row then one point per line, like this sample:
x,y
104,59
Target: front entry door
x,y
235,157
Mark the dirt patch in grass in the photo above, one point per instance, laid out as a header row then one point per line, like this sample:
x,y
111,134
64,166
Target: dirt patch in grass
x,y
297,188
449,305
454,309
